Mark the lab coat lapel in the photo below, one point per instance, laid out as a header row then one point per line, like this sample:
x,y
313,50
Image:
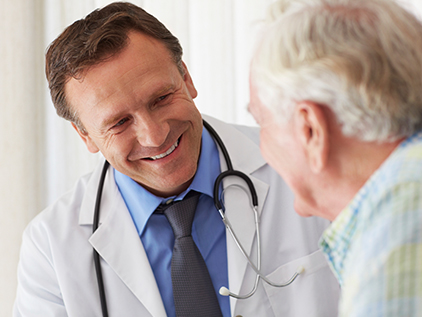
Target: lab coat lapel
x,y
118,243
245,156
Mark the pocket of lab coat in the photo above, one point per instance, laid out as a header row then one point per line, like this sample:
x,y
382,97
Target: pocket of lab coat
x,y
315,291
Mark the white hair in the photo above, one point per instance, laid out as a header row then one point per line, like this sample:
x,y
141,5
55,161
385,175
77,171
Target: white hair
x,y
360,58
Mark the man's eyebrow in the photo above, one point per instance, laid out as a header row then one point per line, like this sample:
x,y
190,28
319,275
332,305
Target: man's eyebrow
x,y
162,90
110,120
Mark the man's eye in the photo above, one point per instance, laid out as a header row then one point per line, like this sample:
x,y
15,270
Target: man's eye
x,y
163,97
121,122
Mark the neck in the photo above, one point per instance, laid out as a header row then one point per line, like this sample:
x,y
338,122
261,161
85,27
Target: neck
x,y
352,164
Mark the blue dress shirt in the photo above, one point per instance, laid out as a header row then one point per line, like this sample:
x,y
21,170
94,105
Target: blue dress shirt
x,y
208,230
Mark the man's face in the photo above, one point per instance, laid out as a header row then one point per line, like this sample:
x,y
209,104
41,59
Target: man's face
x,y
138,110
281,149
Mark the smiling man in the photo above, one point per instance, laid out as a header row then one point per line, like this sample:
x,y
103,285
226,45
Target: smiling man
x,y
139,112
118,76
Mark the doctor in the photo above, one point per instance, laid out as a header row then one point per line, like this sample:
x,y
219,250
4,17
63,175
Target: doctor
x,y
117,75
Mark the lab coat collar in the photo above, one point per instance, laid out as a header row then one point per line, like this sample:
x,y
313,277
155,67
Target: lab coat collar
x,y
108,200
118,243
247,158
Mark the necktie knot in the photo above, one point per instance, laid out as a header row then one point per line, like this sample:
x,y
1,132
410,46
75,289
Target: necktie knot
x,y
180,215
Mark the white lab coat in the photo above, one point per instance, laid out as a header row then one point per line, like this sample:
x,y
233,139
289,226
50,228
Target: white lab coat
x,y
56,270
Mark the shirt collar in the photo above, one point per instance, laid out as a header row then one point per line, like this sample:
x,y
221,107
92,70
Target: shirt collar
x,y
142,204
338,237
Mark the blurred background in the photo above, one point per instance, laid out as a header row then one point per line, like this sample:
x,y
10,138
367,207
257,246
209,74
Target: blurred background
x,y
41,157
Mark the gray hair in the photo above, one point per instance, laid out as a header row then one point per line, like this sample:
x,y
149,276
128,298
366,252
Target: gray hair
x,y
360,58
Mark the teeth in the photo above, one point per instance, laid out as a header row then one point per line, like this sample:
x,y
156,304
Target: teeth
x,y
169,151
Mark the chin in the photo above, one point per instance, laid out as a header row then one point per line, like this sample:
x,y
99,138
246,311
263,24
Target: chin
x,y
303,214
302,209
178,182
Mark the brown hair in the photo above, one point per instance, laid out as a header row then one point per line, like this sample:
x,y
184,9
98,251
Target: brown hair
x,y
90,41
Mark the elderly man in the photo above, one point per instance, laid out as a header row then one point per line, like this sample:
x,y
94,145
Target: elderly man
x,y
118,76
336,88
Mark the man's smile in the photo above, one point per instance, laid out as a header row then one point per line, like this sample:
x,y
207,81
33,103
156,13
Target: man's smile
x,y
168,152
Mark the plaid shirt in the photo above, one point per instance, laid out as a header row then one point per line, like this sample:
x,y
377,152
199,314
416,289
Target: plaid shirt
x,y
374,246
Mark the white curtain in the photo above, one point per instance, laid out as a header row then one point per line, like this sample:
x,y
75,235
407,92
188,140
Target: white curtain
x,y
41,156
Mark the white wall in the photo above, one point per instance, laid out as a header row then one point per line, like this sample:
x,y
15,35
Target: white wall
x,y
21,136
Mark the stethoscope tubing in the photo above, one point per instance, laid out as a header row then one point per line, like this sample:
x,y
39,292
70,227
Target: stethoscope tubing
x,y
218,204
97,264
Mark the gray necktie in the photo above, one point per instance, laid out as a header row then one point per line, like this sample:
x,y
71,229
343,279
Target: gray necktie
x,y
193,292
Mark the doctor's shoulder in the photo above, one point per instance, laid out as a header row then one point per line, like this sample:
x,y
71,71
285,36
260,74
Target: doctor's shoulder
x,y
59,219
68,203
55,247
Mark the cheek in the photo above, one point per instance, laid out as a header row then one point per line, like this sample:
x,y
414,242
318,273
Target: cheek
x,y
280,151
118,147
267,151
272,150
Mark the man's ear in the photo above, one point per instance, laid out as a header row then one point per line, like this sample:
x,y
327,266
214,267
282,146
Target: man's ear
x,y
90,144
312,128
188,82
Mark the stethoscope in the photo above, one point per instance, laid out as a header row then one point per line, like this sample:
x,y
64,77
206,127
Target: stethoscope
x,y
219,205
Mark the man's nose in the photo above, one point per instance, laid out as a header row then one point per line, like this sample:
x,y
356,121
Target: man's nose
x,y
152,132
